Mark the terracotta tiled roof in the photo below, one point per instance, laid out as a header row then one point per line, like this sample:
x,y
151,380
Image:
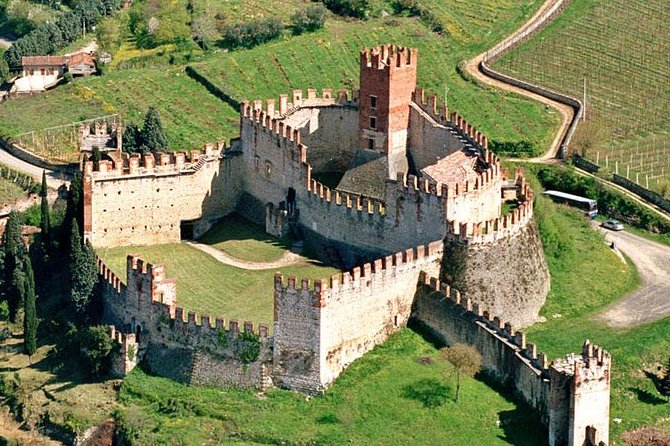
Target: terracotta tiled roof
x,y
82,58
455,168
41,61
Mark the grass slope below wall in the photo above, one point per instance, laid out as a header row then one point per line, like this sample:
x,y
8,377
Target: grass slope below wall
x,y
400,393
586,277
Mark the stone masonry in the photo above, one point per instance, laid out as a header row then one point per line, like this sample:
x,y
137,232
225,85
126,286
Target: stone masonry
x,y
413,176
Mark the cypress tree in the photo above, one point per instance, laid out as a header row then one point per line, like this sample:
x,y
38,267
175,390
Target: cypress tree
x,y
74,208
153,135
83,272
45,221
30,312
96,156
13,252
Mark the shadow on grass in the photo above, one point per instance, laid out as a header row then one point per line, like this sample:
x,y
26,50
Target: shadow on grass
x,y
236,227
646,397
429,391
522,425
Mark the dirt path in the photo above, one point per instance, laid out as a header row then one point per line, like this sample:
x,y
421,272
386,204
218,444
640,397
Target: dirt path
x,y
566,112
651,300
90,47
54,179
289,258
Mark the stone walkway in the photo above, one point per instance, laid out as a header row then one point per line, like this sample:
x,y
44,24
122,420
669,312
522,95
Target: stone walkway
x,y
289,258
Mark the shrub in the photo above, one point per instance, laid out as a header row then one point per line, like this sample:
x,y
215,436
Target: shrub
x,y
349,8
248,348
309,19
250,34
96,346
409,7
518,149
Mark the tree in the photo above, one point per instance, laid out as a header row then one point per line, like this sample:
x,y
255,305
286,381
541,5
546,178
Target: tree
x,y
203,24
309,19
589,137
96,156
153,135
30,312
664,383
108,34
83,275
13,251
45,221
132,138
465,359
96,345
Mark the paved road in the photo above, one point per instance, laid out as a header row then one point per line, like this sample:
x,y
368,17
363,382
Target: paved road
x,y
54,179
651,301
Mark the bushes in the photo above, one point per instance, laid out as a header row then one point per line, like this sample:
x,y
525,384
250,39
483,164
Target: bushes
x,y
517,149
309,19
250,34
349,8
50,37
610,203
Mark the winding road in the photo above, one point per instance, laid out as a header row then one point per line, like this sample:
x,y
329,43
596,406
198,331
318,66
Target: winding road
x,y
651,300
289,258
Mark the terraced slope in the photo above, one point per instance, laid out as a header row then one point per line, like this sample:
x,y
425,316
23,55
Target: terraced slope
x,y
620,49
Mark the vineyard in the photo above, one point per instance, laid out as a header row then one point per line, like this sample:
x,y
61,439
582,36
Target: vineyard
x,y
614,53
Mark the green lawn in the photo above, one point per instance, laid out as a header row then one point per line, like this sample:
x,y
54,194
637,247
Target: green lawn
x,y
205,285
9,191
244,240
586,277
190,115
382,399
621,49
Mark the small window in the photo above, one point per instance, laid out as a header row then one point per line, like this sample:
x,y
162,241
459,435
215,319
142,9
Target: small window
x,y
373,122
257,163
373,101
371,144
268,169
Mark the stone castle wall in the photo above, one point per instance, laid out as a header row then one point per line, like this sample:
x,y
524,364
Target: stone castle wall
x,y
499,263
321,327
198,350
143,201
562,392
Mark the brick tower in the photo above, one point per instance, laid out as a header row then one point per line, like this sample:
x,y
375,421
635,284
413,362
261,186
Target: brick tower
x,y
388,78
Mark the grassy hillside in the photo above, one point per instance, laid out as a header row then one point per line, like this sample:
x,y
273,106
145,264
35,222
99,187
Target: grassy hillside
x,y
401,393
585,277
327,58
190,115
621,48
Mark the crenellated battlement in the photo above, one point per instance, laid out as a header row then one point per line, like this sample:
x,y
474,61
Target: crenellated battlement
x,y
493,324
108,275
454,121
361,203
367,275
503,227
156,164
195,323
388,57
287,104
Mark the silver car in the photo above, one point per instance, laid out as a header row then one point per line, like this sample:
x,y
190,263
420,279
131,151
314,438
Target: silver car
x,y
614,225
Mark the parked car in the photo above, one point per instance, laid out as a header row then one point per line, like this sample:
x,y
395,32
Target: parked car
x,y
614,225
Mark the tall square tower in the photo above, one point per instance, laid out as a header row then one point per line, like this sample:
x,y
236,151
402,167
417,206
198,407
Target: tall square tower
x,y
387,80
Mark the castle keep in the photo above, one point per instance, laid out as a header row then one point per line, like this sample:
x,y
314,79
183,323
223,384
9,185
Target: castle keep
x,y
388,186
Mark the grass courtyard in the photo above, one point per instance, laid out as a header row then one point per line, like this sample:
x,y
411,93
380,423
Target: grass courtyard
x,y
207,286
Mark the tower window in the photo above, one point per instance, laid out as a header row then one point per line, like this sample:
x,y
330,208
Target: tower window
x,y
373,101
373,122
371,144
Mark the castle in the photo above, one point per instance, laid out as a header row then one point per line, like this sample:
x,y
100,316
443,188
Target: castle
x,y
405,197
